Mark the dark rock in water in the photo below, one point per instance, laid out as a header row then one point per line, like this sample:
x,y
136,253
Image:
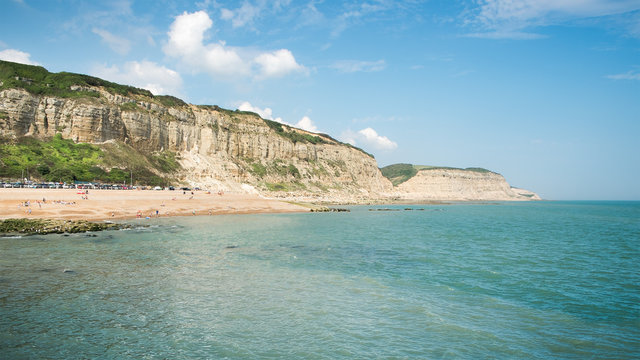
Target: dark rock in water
x,y
328,209
48,226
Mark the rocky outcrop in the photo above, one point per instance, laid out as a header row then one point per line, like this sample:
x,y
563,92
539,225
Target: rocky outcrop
x,y
460,185
218,149
50,226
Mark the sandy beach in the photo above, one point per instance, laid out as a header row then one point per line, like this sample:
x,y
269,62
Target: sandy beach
x,y
97,205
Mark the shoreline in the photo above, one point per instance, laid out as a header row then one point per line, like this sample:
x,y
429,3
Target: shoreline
x,y
100,205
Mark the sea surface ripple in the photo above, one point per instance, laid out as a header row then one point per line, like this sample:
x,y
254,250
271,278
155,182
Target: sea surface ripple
x,y
535,280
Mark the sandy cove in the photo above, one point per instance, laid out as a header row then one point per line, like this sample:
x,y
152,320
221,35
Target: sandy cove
x,y
72,204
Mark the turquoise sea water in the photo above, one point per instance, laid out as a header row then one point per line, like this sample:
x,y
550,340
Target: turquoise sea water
x,y
541,280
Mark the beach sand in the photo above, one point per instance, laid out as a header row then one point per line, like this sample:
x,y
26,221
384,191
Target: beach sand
x,y
127,204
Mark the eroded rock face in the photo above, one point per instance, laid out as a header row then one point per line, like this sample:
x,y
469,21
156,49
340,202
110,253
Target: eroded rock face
x,y
218,149
237,151
457,185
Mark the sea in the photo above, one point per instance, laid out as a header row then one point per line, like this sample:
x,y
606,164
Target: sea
x,y
525,280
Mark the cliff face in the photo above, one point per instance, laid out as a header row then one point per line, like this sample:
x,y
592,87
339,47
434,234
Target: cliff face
x,y
458,184
161,138
218,149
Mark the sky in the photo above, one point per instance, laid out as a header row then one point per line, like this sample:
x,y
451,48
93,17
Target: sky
x,y
544,92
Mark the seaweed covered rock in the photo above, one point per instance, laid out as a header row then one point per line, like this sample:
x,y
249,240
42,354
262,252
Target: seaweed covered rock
x,y
48,226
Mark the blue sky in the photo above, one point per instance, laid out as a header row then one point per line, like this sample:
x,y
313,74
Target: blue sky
x,y
545,92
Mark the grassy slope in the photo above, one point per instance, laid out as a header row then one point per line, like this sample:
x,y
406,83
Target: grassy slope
x,y
63,160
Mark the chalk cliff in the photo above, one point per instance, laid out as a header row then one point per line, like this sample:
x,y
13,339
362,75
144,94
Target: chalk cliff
x,y
216,148
460,184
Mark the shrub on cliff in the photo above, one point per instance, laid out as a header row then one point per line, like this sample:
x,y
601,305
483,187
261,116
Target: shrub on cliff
x,y
60,159
399,173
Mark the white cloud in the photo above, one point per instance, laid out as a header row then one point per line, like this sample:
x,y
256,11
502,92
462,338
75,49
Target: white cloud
x,y
17,56
186,42
523,10
505,19
265,113
350,66
305,123
146,74
186,36
368,137
249,12
186,33
372,138
629,75
116,43
355,12
242,16
508,34
277,63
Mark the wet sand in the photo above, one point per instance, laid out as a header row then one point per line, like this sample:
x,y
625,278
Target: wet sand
x,y
73,204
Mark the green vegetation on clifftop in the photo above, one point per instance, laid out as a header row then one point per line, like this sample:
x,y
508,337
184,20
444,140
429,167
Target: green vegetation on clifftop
x,y
37,80
399,173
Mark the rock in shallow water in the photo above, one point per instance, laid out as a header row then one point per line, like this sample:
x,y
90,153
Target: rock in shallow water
x,y
48,226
